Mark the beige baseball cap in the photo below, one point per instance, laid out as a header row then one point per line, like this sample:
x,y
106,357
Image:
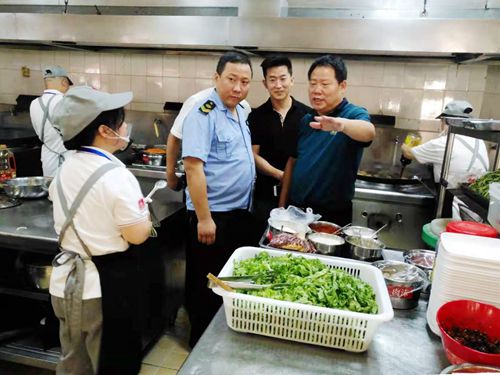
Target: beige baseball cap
x,y
81,105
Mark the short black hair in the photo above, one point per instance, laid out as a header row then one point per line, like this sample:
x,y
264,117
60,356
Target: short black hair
x,y
274,61
234,57
113,119
334,62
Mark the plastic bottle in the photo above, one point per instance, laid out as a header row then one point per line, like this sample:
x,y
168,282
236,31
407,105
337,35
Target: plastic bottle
x,y
7,164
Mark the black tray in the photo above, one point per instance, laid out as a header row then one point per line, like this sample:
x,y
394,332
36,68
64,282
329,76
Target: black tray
x,y
479,199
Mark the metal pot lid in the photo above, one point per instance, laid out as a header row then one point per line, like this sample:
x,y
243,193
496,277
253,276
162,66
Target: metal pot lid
x,y
6,202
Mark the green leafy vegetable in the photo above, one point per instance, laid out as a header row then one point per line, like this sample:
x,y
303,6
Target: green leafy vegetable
x,y
310,282
482,184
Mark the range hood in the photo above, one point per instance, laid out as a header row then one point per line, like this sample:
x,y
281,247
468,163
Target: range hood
x,y
462,39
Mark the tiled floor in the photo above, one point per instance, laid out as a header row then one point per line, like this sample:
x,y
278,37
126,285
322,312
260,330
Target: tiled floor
x,y
165,358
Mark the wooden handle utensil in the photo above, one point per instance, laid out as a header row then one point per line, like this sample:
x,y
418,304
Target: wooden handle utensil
x,y
219,282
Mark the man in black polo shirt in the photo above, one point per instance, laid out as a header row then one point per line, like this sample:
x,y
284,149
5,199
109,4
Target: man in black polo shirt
x,y
273,126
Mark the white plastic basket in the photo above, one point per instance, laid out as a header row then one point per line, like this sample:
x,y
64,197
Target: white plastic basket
x,y
323,326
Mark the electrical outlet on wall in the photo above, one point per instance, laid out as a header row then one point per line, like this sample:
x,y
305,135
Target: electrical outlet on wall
x,y
25,71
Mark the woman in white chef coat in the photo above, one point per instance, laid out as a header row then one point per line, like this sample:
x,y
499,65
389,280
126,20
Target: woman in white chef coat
x,y
98,211
469,155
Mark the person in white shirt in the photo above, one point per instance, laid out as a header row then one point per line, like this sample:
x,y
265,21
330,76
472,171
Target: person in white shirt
x,y
99,211
469,155
174,139
56,83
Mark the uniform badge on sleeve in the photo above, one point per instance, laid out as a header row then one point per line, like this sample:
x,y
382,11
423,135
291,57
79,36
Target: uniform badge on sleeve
x,y
142,204
207,107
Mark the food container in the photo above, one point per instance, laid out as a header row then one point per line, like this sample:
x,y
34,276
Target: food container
x,y
153,159
474,316
299,322
423,259
470,368
324,227
284,226
357,231
404,282
326,243
27,187
362,248
154,155
39,275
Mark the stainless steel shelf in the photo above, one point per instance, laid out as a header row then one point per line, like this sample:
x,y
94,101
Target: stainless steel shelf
x,y
458,126
485,135
29,352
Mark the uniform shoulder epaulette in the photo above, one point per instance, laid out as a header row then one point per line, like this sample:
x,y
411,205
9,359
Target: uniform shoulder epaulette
x,y
207,107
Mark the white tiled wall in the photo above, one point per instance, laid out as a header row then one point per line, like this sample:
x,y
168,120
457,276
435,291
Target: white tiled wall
x,y
491,98
413,92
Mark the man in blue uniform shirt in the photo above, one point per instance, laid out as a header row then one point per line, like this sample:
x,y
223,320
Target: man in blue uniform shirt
x,y
322,171
220,171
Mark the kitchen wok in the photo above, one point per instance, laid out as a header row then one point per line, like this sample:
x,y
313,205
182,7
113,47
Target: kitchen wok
x,y
386,178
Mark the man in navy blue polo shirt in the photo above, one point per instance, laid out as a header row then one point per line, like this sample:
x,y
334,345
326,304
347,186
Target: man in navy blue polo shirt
x,y
220,171
322,170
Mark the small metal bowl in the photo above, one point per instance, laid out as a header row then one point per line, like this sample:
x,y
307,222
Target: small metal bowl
x,y
363,248
423,259
324,227
326,243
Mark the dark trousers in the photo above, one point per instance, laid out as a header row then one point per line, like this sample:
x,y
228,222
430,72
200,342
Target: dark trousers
x,y
338,215
234,229
261,209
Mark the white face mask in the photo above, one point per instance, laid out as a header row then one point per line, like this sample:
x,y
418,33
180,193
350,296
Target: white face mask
x,y
126,139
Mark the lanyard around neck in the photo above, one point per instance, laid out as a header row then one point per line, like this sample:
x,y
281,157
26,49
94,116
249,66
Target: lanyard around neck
x,y
94,151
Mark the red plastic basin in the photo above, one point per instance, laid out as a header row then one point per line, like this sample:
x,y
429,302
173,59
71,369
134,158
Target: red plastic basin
x,y
472,315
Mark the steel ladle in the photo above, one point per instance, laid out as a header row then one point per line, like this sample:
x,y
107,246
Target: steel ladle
x,y
160,184
378,230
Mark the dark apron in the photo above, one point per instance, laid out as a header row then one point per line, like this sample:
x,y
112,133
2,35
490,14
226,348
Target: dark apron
x,y
121,347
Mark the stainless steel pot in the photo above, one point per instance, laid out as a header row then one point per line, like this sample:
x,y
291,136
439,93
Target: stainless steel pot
x,y
153,159
404,282
326,243
27,187
358,231
363,248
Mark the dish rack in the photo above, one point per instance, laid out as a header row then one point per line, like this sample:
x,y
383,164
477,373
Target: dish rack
x,y
309,324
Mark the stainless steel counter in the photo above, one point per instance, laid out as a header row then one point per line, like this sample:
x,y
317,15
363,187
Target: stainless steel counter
x,y
29,225
402,346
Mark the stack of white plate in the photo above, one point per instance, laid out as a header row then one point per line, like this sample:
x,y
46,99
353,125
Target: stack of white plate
x,y
466,267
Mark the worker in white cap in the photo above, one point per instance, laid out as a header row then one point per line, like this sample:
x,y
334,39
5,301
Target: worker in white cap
x,y
469,156
56,82
99,214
